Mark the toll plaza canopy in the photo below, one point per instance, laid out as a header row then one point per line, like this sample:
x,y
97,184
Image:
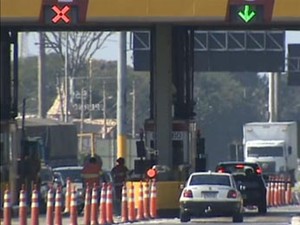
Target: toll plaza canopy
x,y
90,13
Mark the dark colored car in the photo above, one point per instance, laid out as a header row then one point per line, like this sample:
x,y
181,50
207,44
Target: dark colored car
x,y
249,181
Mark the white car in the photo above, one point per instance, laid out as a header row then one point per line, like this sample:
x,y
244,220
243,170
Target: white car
x,y
211,194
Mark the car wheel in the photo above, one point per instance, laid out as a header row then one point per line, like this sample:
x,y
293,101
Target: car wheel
x,y
80,208
262,208
237,218
184,217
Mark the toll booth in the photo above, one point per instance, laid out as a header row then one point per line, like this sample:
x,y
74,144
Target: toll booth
x,y
184,147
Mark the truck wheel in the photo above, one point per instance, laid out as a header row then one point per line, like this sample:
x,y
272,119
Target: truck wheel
x,y
184,217
237,218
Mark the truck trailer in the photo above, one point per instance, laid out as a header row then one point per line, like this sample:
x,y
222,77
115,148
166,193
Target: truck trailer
x,y
274,145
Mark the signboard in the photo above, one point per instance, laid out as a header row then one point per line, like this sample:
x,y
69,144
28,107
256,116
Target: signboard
x,y
176,135
234,51
294,64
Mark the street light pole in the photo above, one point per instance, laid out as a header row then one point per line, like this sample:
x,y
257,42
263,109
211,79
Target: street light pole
x,y
104,111
90,88
66,80
133,109
41,77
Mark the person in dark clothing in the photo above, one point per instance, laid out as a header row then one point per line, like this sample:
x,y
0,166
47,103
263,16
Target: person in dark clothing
x,y
119,174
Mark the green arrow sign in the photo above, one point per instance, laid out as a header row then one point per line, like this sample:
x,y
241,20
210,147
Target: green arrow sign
x,y
247,14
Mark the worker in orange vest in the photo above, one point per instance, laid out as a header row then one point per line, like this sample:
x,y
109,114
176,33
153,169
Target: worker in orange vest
x,y
91,172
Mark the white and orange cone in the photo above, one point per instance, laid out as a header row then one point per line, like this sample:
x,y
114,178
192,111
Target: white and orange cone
x,y
153,200
22,207
73,207
34,207
102,206
94,206
7,207
140,210
131,206
58,207
68,196
87,206
146,200
50,208
109,204
124,209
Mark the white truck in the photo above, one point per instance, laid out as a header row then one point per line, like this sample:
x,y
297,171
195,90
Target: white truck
x,y
274,145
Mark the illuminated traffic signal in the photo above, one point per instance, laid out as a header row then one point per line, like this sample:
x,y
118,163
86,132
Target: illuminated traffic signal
x,y
246,13
61,14
152,173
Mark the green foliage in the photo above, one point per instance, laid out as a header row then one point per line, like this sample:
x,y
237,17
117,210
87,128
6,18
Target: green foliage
x,y
224,101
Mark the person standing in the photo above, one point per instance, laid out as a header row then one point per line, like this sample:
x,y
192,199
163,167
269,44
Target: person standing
x,y
119,174
91,172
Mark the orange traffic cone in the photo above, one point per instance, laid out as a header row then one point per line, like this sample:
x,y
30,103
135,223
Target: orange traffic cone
x,y
58,207
279,192
7,207
146,201
272,193
34,207
153,200
131,206
268,194
102,206
49,213
73,207
87,206
289,193
140,211
109,205
68,196
124,212
22,207
94,205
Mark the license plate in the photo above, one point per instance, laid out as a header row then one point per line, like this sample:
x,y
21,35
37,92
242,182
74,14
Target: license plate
x,y
209,195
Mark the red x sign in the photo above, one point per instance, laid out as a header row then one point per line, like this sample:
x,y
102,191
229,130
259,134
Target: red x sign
x,y
61,14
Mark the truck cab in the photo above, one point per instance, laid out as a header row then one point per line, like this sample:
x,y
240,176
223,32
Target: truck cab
x,y
274,145
271,155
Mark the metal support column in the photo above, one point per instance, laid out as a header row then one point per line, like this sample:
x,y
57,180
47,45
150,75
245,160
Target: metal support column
x,y
183,75
121,97
5,74
162,84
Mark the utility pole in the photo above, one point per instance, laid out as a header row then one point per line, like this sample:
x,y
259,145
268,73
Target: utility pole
x,y
90,88
41,77
66,99
273,97
81,119
104,111
121,97
133,109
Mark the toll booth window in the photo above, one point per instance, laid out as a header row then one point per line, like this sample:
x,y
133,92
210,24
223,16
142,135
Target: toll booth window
x,y
177,153
4,154
4,149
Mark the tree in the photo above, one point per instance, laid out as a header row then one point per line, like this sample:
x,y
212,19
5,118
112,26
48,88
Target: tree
x,y
81,47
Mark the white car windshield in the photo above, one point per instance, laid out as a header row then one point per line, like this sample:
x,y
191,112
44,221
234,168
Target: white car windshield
x,y
209,180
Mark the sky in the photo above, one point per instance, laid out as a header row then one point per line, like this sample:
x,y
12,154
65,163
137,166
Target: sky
x,y
110,52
